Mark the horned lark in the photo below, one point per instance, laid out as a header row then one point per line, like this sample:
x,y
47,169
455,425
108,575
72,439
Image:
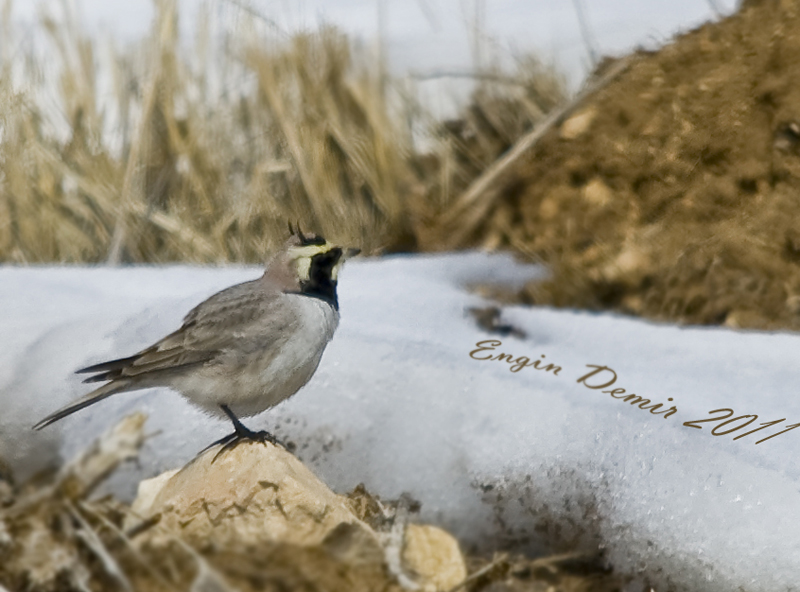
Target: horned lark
x,y
244,349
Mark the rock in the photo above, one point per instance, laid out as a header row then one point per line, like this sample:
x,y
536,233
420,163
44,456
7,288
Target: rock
x,y
433,557
578,124
628,267
745,319
597,193
254,493
793,304
549,208
260,496
253,518
146,494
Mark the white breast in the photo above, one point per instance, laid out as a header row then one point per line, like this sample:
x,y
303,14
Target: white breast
x,y
267,380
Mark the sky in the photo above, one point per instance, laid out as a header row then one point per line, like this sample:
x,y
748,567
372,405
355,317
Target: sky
x,y
427,36
432,41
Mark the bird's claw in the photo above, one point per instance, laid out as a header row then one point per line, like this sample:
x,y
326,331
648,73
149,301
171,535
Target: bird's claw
x,y
232,440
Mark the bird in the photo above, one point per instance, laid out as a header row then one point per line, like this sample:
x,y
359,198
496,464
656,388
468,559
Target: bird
x,y
244,349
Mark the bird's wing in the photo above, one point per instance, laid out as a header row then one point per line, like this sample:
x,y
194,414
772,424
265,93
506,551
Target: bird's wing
x,y
236,321
243,317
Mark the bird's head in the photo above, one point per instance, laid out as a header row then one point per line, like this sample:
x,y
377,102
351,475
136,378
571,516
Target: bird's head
x,y
309,264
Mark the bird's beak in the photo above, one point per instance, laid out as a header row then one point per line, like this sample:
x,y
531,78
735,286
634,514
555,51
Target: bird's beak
x,y
351,252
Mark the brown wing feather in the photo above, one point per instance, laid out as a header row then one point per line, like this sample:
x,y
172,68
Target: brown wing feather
x,y
208,328
241,318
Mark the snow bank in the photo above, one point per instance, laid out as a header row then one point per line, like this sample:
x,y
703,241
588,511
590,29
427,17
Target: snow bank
x,y
533,458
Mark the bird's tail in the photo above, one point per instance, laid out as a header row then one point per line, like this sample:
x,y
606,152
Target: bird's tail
x,y
91,398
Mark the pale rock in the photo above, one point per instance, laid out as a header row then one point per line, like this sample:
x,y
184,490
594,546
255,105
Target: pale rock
x,y
793,304
744,319
254,493
597,193
633,303
257,493
146,494
433,557
628,266
548,208
578,124
630,260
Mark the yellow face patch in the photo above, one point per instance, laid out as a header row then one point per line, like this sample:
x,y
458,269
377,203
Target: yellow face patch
x,y
302,256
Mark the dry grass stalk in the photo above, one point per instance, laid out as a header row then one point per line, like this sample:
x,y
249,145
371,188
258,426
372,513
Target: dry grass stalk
x,y
186,162
198,177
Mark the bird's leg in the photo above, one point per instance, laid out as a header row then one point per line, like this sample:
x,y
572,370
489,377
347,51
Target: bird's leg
x,y
242,433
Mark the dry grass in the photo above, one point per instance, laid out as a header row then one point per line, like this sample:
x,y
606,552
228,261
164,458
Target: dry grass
x,y
161,152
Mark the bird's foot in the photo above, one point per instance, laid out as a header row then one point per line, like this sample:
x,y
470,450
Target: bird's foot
x,y
243,434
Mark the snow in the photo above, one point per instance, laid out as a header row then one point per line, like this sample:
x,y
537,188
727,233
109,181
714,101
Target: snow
x,y
531,459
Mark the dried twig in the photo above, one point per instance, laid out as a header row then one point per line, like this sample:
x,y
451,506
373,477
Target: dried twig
x,y
586,33
94,543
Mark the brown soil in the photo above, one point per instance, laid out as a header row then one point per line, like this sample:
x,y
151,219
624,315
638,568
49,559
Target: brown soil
x,y
674,193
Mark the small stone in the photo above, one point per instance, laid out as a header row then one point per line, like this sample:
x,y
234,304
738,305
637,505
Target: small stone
x,y
147,491
597,193
433,557
548,209
627,267
578,124
793,304
630,261
745,319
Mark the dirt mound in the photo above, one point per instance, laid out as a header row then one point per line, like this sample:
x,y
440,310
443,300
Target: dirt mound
x,y
674,193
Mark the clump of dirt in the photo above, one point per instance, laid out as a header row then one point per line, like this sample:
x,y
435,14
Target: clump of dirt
x,y
674,192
